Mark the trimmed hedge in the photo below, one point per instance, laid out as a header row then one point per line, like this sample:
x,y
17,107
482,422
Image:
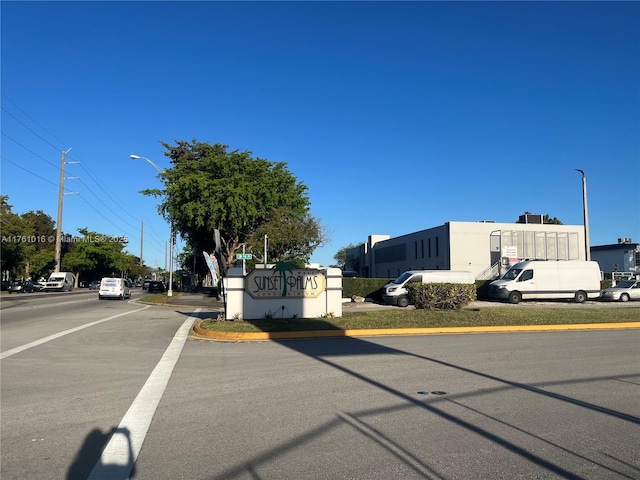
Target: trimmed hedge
x,y
431,296
364,287
372,288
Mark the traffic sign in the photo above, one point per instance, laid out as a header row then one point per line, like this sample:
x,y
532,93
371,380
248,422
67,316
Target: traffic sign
x,y
243,256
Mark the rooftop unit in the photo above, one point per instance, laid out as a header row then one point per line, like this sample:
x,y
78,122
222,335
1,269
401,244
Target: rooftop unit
x,y
530,218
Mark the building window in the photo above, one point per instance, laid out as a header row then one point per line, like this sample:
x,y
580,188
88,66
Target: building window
x,y
422,247
429,247
437,247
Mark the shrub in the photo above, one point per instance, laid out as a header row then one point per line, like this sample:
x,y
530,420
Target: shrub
x,y
432,296
364,287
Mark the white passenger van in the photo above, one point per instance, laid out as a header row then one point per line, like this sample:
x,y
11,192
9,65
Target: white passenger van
x,y
114,288
549,279
60,282
395,293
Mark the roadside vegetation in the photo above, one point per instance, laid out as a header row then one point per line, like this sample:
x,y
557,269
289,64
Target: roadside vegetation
x,y
410,318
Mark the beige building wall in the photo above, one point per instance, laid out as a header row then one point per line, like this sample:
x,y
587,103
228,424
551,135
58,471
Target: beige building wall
x,y
474,246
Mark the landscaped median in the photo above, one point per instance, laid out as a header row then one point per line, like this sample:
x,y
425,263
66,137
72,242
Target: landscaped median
x,y
421,322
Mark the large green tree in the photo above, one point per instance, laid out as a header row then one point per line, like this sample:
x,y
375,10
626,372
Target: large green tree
x,y
97,255
209,187
13,233
40,254
291,238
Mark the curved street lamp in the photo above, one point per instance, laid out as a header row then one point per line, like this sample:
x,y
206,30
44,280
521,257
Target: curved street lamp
x,y
585,213
161,170
138,157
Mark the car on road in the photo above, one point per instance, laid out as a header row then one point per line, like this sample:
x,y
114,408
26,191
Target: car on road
x,y
38,287
623,291
95,285
114,288
156,287
21,286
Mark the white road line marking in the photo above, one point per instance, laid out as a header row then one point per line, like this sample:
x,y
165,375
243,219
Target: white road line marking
x,y
121,453
27,346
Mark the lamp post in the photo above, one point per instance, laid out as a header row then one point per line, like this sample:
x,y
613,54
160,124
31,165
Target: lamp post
x,y
585,213
171,236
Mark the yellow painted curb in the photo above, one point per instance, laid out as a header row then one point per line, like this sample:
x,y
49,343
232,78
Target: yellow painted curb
x,y
200,332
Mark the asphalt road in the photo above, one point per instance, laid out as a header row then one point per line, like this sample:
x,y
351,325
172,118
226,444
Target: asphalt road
x,y
90,386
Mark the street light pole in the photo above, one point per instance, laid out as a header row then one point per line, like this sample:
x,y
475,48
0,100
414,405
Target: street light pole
x,y
585,213
171,236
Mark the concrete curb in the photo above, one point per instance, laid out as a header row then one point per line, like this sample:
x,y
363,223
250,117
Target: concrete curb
x,y
198,332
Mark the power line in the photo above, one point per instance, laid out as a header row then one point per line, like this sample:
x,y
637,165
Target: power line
x,y
29,172
31,151
53,183
36,134
33,120
153,235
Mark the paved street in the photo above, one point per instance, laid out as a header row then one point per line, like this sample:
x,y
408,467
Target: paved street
x,y
85,377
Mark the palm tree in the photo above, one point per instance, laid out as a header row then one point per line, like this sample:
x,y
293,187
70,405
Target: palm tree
x,y
282,268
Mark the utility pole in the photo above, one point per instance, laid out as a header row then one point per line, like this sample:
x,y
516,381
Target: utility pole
x,y
141,240
59,222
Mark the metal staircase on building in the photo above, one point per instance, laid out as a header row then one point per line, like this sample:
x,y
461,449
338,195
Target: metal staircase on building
x,y
490,273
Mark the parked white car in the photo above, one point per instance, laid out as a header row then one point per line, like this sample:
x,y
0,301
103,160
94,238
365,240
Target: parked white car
x,y
623,291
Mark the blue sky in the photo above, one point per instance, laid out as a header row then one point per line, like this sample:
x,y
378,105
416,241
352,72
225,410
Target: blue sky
x,y
398,116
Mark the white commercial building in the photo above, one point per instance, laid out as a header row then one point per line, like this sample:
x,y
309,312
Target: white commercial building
x,y
484,248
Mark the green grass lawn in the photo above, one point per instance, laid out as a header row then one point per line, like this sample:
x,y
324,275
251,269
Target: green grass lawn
x,y
409,318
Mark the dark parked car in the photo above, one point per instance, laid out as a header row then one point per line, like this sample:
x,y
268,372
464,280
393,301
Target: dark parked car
x,y
25,286
156,287
95,285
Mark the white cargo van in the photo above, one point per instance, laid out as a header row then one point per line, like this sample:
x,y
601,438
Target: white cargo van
x,y
114,288
395,293
60,281
548,279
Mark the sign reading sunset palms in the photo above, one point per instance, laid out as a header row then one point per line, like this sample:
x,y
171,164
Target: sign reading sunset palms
x,y
282,268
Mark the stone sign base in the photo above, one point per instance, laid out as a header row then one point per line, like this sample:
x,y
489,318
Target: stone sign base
x,y
278,292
